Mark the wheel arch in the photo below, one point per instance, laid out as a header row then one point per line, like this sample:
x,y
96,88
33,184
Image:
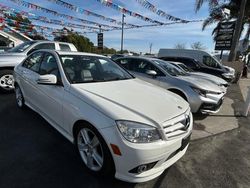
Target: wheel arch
x,y
82,122
179,92
7,68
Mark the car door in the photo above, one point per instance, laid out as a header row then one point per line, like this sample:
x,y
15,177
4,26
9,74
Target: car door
x,y
51,96
29,74
139,68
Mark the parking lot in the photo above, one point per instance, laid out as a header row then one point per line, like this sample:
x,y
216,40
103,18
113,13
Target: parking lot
x,y
33,154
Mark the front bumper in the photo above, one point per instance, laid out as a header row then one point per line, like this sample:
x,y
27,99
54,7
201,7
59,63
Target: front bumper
x,y
162,154
210,107
209,104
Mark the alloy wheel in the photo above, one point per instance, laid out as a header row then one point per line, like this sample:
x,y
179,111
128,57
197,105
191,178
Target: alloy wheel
x,y
90,149
7,82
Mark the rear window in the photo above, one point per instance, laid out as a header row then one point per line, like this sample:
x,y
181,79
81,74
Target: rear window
x,y
64,47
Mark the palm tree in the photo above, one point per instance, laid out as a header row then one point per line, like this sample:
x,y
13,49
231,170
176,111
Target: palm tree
x,y
216,15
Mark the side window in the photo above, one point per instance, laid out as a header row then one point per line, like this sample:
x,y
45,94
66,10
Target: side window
x,y
142,66
48,46
33,62
125,64
210,62
189,63
64,47
49,65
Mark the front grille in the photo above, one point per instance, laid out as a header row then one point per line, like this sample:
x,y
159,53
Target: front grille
x,y
177,126
212,107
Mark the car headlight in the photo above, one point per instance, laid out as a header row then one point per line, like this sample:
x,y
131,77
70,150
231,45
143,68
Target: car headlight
x,y
205,92
201,92
227,75
138,132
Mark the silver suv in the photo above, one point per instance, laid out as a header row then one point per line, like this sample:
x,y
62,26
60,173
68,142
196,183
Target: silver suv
x,y
9,59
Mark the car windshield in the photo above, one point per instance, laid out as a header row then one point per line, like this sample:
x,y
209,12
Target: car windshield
x,y
85,69
185,68
170,69
22,47
211,62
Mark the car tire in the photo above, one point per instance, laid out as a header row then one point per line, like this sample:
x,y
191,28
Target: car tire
x,y
19,97
94,151
6,81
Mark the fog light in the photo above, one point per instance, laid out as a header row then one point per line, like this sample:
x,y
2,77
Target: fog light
x,y
142,168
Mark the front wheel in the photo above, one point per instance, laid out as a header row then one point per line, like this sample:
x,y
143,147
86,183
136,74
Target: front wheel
x,y
94,152
6,81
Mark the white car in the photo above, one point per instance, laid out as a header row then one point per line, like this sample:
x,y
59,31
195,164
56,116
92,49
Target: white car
x,y
121,125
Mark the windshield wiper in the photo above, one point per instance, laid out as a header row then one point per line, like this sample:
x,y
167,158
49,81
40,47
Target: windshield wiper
x,y
116,78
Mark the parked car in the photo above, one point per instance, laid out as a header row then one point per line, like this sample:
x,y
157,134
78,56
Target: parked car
x,y
115,56
9,59
199,61
121,125
216,80
202,95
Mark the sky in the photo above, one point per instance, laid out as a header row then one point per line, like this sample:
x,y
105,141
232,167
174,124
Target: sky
x,y
137,40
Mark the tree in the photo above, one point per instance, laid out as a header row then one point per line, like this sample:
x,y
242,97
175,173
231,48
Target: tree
x,y
83,44
180,46
198,46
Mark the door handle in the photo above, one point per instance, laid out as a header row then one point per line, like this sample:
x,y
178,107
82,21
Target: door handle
x,y
24,72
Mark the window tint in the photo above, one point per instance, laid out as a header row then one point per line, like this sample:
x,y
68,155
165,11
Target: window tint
x,y
209,61
188,62
125,63
64,47
48,46
84,69
49,65
142,66
33,62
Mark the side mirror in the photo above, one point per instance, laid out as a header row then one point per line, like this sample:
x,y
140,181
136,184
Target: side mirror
x,y
48,79
151,73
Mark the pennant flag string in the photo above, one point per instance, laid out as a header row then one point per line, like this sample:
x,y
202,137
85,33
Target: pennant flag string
x,y
87,12
123,10
29,29
55,13
159,12
14,12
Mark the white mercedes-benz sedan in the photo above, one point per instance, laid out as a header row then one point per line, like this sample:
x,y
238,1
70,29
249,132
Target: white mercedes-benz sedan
x,y
121,126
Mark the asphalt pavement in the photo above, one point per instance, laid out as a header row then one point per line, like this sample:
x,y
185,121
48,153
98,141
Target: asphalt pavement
x,y
34,154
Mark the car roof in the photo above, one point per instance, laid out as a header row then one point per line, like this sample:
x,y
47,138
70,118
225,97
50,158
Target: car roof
x,y
139,57
49,41
71,53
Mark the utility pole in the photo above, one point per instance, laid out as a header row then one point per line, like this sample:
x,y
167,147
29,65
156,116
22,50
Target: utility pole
x,y
123,16
150,47
237,33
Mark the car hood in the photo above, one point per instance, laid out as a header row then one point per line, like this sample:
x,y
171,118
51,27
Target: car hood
x,y
133,100
11,59
201,83
215,79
